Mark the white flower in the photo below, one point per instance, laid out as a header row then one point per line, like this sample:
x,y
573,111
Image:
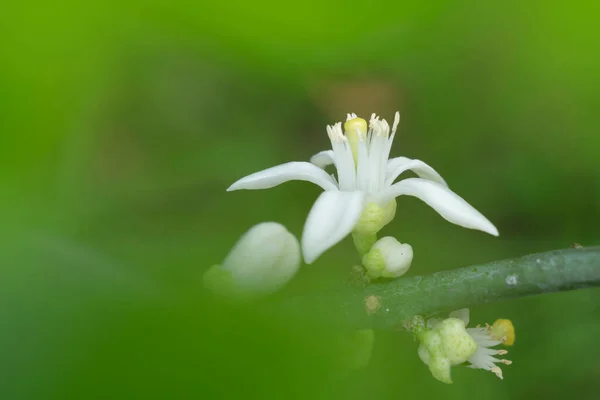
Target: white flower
x,y
365,177
444,344
263,260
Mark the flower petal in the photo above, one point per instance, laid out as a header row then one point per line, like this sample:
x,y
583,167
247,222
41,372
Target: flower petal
x,y
292,171
323,158
398,165
447,203
332,218
462,314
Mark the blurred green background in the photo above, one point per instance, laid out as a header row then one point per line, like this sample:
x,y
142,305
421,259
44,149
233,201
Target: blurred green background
x,y
123,123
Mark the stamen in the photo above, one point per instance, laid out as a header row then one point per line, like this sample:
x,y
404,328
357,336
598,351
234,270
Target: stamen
x,y
396,122
343,156
497,371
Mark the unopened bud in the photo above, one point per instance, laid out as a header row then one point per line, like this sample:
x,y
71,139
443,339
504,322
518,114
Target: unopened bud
x,y
444,346
388,258
263,260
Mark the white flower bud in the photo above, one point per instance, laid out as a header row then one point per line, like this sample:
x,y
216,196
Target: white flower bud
x,y
388,258
263,260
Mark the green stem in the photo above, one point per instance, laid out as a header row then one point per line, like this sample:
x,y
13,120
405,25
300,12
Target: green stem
x,y
363,242
386,305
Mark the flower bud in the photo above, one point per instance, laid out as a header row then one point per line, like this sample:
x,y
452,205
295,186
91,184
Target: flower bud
x,y
263,260
446,343
388,258
457,344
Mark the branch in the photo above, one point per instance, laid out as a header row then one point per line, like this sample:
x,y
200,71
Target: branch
x,y
386,305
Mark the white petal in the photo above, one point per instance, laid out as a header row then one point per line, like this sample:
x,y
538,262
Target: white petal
x,y
323,159
398,165
462,314
292,171
447,203
332,218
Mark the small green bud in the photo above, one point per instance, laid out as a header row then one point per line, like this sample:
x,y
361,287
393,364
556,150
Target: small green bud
x,y
374,263
457,344
444,346
388,258
446,343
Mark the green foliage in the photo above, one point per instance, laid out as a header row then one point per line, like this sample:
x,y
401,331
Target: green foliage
x,y
124,122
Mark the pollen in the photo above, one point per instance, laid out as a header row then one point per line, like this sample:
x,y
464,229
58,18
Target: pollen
x,y
504,331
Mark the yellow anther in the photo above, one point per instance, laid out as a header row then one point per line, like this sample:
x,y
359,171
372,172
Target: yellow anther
x,y
356,130
497,371
504,331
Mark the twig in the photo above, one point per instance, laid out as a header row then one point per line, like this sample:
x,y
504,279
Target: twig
x,y
386,305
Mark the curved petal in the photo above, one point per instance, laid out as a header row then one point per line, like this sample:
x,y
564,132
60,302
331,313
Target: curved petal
x,y
462,314
398,165
447,203
323,158
292,171
332,218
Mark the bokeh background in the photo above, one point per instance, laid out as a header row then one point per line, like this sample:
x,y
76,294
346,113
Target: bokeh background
x,y
122,124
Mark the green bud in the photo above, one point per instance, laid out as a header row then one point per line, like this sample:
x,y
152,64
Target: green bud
x,y
457,344
444,346
374,263
388,258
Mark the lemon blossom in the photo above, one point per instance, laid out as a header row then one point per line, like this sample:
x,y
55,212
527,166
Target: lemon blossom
x,y
360,198
446,343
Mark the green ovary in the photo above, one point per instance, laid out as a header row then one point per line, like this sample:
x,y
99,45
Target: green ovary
x,y
374,217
